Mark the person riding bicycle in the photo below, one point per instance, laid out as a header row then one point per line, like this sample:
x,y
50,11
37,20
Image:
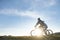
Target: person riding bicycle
x,y
43,27
41,24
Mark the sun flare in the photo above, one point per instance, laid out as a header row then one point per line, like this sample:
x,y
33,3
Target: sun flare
x,y
37,32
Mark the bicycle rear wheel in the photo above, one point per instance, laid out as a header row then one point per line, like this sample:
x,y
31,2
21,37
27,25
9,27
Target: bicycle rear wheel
x,y
31,33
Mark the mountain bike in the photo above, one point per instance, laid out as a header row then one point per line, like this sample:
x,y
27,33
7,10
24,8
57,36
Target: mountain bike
x,y
43,32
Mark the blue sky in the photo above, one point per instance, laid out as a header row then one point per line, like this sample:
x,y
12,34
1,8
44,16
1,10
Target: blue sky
x,y
18,17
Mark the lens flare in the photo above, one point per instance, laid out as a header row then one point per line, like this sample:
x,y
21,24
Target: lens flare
x,y
37,32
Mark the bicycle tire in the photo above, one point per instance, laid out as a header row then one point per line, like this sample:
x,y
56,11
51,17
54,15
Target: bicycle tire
x,y
49,32
31,32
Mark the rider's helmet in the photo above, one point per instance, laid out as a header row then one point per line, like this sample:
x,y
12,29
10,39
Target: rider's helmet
x,y
38,18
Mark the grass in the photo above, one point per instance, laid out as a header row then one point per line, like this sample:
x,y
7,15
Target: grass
x,y
29,38
50,37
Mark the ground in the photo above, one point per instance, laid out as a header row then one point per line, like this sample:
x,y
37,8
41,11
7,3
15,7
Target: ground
x,y
49,37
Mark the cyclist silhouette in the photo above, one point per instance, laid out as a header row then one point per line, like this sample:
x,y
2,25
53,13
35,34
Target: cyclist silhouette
x,y
41,24
43,27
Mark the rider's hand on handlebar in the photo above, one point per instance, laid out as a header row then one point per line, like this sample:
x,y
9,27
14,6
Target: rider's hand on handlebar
x,y
35,27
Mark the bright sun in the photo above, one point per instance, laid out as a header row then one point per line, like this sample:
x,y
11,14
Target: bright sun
x,y
37,32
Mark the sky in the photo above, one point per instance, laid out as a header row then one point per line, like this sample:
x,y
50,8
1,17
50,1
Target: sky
x,y
18,17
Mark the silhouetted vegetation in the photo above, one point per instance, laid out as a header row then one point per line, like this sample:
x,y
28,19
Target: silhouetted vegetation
x,y
49,37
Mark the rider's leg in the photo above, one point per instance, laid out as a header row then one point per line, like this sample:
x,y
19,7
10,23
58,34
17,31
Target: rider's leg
x,y
45,30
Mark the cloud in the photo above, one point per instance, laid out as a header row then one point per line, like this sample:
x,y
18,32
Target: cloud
x,y
41,3
32,14
34,5
28,13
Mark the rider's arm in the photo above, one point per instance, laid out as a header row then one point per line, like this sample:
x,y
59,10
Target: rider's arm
x,y
36,24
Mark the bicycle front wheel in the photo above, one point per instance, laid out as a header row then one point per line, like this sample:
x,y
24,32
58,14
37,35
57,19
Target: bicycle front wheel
x,y
48,32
